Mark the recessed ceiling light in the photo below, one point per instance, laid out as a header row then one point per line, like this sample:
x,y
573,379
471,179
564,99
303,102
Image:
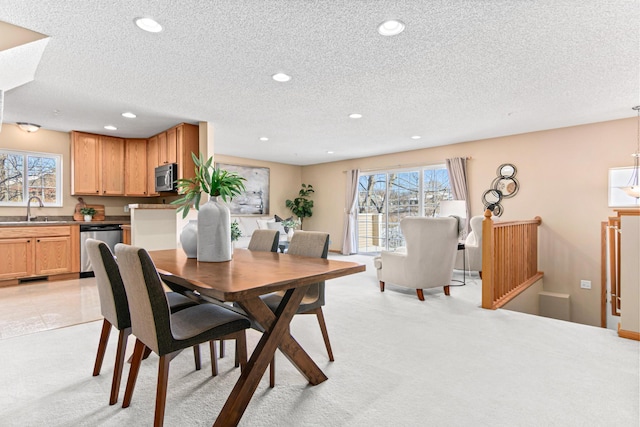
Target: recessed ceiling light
x,y
148,24
281,77
329,152
110,127
129,115
391,27
416,137
355,116
264,138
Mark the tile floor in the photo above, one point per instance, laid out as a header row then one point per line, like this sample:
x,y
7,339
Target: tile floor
x,y
42,305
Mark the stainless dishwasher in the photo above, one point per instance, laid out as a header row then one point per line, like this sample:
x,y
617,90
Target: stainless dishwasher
x,y
108,233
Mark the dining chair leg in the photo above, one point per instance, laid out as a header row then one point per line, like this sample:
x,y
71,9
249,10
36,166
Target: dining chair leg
x,y
117,368
381,286
221,349
323,329
102,346
241,350
136,360
196,356
420,294
272,372
214,358
161,391
446,290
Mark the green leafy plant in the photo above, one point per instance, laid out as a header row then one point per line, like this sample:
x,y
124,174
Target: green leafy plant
x,y
214,181
87,211
291,223
236,233
301,206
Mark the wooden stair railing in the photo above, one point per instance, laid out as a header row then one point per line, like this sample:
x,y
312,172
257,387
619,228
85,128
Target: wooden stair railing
x,y
509,259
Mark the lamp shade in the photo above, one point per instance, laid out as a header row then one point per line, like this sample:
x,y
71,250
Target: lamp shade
x,y
453,207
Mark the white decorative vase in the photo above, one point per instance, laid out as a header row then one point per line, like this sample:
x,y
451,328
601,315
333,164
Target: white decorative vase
x,y
214,232
189,239
88,218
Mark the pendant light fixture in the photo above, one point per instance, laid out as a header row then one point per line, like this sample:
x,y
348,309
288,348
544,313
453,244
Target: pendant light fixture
x,y
632,189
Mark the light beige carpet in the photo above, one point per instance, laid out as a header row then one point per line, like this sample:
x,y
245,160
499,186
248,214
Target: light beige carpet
x,y
399,362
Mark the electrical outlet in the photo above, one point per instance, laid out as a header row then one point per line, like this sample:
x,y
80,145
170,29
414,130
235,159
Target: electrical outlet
x,y
126,208
585,284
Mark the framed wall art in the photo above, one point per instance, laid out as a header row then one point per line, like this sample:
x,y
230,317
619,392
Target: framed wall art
x,y
255,200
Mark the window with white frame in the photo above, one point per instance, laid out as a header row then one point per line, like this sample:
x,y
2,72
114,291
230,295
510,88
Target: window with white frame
x,y
24,174
385,197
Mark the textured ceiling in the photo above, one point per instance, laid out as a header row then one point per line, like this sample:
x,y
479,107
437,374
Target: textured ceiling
x,y
461,70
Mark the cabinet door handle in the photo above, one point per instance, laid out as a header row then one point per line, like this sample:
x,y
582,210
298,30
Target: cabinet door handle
x,y
38,241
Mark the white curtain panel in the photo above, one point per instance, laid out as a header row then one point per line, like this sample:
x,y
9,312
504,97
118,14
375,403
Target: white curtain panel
x,y
457,168
350,235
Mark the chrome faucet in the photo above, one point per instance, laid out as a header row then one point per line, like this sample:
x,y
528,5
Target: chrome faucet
x,y
29,217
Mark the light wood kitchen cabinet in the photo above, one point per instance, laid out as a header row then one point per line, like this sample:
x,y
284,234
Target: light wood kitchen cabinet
x,y
85,159
188,141
152,162
135,168
97,165
52,251
107,166
112,166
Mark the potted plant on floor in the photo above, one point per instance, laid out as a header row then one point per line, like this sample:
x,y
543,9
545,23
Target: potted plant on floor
x,y
88,213
214,219
302,206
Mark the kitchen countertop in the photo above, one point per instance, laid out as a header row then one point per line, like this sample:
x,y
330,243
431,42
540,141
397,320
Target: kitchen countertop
x,y
152,206
40,222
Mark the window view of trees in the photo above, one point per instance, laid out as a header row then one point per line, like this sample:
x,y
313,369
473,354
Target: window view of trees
x,y
23,175
385,198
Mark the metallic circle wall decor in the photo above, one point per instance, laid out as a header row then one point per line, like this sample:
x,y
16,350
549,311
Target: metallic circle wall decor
x,y
504,186
507,186
507,170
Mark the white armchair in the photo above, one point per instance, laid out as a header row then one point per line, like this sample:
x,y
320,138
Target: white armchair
x,y
473,248
428,260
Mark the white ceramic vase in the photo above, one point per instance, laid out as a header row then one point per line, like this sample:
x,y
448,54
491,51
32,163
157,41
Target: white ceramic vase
x,y
189,239
88,218
214,232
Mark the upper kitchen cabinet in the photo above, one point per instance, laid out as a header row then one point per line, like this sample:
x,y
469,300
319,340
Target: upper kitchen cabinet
x,y
176,145
97,165
85,159
106,166
152,162
135,168
112,162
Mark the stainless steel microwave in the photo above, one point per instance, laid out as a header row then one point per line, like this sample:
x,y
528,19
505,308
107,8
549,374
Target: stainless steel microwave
x,y
166,177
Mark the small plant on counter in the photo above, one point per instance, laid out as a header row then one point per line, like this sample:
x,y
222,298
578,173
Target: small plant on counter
x,y
88,211
236,233
214,181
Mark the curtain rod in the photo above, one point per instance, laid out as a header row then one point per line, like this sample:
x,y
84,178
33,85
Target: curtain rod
x,y
408,165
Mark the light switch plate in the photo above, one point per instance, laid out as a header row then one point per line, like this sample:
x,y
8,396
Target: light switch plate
x,y
585,284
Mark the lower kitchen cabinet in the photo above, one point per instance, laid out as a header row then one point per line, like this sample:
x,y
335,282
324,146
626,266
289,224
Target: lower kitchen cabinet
x,y
36,251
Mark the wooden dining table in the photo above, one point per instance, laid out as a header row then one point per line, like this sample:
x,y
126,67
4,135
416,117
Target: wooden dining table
x,y
243,280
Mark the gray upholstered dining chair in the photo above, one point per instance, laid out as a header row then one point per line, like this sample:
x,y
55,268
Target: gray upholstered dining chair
x,y
264,240
115,310
311,244
166,333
